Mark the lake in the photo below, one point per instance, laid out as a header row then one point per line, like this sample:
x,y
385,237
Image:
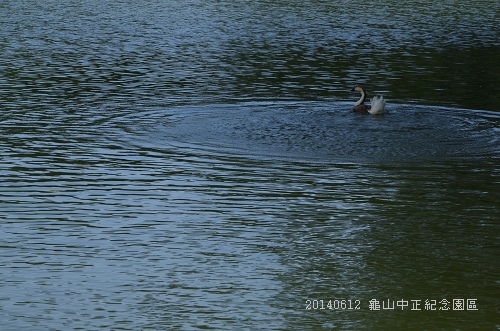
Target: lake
x,y
195,165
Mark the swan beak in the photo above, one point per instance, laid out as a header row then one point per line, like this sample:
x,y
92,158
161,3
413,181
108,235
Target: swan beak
x,y
353,90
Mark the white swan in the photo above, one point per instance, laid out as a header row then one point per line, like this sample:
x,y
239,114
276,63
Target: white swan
x,y
377,102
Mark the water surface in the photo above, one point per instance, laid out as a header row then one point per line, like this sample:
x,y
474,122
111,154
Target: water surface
x,y
195,165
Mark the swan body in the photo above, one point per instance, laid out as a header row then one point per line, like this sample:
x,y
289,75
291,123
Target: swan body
x,y
377,102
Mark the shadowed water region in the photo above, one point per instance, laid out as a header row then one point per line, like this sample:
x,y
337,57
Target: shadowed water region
x,y
189,165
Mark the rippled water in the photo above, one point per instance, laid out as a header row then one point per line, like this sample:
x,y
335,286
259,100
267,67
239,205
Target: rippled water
x,y
195,165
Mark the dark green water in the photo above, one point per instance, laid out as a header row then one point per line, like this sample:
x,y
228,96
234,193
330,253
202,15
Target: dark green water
x,y
190,165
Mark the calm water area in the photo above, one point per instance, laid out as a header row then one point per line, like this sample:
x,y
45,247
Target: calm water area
x,y
195,165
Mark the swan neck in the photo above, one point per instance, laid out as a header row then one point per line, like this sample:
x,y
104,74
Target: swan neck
x,y
362,99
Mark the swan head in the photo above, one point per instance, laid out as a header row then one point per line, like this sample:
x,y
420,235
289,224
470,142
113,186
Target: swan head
x,y
358,88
